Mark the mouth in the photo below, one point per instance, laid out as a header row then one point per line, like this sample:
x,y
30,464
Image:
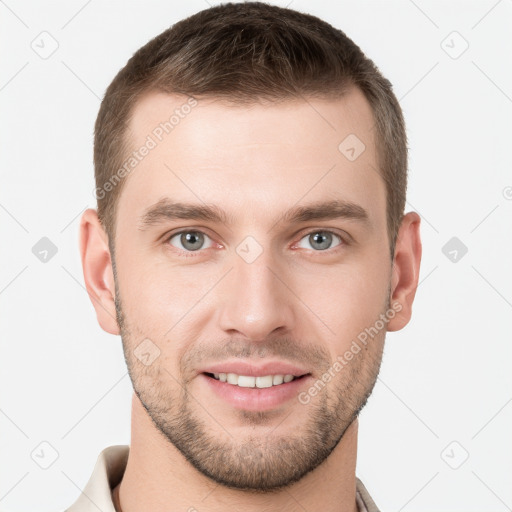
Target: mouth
x,y
268,387
248,381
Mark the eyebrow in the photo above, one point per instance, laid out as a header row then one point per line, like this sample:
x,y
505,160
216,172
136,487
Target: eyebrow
x,y
167,210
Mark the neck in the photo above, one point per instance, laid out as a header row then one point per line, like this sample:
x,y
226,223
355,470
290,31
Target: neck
x,y
157,476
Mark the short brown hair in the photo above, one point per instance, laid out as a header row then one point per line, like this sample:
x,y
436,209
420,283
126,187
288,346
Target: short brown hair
x,y
244,53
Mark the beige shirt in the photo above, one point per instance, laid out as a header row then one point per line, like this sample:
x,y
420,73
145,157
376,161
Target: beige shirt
x,y
109,470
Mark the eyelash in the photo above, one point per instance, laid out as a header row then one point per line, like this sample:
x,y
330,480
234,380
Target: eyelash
x,y
343,241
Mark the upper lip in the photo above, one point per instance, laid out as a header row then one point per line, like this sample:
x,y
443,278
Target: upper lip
x,y
252,370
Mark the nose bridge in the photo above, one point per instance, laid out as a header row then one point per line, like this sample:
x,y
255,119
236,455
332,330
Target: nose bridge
x,y
257,301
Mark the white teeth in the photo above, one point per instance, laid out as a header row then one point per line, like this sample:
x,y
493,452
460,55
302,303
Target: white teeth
x,y
264,382
246,381
277,379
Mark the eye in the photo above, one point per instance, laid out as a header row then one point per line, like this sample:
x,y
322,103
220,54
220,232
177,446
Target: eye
x,y
320,240
189,241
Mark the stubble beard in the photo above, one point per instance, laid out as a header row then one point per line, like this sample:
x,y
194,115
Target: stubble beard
x,y
262,463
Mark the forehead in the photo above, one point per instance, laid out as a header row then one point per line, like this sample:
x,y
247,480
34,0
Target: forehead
x,y
252,160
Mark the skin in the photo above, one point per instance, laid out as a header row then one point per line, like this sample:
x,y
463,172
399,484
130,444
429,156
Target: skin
x,y
294,303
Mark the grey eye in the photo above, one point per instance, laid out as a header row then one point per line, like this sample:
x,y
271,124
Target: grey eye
x,y
189,240
320,240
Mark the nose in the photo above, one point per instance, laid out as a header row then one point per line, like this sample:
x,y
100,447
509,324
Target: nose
x,y
257,300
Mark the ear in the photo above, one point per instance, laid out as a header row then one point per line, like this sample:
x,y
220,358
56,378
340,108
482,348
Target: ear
x,y
97,268
406,270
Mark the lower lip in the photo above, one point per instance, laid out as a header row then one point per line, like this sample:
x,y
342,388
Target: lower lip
x,y
256,399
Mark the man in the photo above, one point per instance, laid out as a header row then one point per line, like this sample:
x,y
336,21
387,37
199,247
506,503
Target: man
x,y
251,248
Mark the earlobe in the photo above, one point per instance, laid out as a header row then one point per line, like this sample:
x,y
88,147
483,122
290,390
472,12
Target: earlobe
x,y
405,273
97,269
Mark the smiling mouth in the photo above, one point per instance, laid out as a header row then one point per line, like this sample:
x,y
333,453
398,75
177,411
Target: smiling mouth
x,y
246,381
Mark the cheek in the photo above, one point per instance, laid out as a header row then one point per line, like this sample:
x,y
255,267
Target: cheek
x,y
146,284
161,301
349,300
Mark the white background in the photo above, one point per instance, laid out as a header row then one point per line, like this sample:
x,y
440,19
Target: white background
x,y
446,377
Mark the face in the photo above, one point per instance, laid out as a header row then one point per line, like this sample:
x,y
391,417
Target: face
x,y
273,264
